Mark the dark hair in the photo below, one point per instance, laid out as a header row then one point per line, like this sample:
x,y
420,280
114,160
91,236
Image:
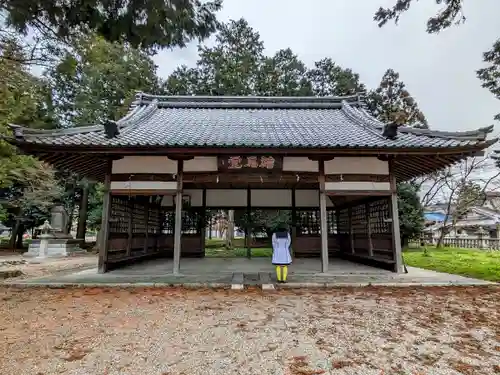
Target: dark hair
x,y
282,232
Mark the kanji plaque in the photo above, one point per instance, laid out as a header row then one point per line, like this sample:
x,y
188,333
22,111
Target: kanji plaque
x,y
250,163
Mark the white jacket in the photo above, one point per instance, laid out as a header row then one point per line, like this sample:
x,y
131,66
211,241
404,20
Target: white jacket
x,y
281,250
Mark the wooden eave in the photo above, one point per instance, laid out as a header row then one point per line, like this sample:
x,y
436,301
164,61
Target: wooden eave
x,y
91,162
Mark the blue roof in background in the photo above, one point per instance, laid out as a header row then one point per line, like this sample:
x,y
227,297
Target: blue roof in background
x,y
434,216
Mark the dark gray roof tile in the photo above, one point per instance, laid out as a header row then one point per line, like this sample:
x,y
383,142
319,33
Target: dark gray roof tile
x,y
252,122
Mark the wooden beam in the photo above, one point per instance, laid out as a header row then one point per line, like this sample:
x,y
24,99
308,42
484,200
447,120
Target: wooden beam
x,y
178,218
248,227
180,157
321,157
102,265
361,193
323,217
396,237
357,178
294,222
203,229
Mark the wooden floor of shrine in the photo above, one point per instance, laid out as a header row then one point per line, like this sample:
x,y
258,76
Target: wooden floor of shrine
x,y
200,266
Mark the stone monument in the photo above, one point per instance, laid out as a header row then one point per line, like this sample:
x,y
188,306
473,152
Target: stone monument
x,y
59,222
54,241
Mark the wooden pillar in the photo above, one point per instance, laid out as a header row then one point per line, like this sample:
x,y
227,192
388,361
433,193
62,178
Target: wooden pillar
x,y
368,208
203,229
248,227
396,237
323,218
102,265
147,207
130,225
351,232
178,218
294,223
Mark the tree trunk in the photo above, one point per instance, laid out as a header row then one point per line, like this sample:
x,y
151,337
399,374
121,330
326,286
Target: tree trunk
x,y
210,227
13,234
230,230
440,239
405,241
70,221
82,215
19,240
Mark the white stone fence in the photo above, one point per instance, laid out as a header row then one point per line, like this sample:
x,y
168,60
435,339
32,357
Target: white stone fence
x,y
472,243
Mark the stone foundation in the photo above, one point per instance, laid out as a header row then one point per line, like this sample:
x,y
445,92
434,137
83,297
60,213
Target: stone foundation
x,y
57,247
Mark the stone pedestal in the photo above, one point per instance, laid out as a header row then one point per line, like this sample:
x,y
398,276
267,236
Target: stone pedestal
x,y
53,244
53,247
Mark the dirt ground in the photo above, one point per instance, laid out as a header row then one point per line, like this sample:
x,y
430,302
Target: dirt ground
x,y
31,268
449,330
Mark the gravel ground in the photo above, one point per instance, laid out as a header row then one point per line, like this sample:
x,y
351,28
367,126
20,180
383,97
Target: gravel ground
x,y
402,331
31,268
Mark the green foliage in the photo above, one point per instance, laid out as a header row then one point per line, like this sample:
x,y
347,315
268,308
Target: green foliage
x,y
490,75
329,79
23,100
227,68
479,264
146,24
262,221
283,75
236,65
450,14
238,252
27,186
94,208
468,194
391,102
411,214
97,80
30,198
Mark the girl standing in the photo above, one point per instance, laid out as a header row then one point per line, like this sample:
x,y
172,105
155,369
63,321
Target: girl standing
x,y
281,253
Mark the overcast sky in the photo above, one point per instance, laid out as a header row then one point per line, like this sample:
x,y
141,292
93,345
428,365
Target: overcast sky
x,y
439,70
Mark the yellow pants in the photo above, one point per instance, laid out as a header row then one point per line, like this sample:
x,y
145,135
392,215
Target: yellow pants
x,y
281,273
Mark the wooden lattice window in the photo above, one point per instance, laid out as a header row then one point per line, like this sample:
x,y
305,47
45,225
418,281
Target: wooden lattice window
x,y
191,221
154,220
139,218
331,221
379,216
118,221
358,219
308,222
343,221
168,222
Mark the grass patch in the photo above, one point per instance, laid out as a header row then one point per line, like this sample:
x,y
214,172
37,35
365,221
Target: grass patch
x,y
237,252
217,243
479,264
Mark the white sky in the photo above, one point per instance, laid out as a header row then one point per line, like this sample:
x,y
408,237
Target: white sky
x,y
439,70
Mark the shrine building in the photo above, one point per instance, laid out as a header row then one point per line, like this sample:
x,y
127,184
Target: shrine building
x,y
325,159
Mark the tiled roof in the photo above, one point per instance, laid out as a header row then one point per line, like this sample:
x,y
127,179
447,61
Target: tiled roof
x,y
281,122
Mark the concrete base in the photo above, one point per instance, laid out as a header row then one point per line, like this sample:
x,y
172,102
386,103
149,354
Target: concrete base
x,y
57,247
238,273
237,281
